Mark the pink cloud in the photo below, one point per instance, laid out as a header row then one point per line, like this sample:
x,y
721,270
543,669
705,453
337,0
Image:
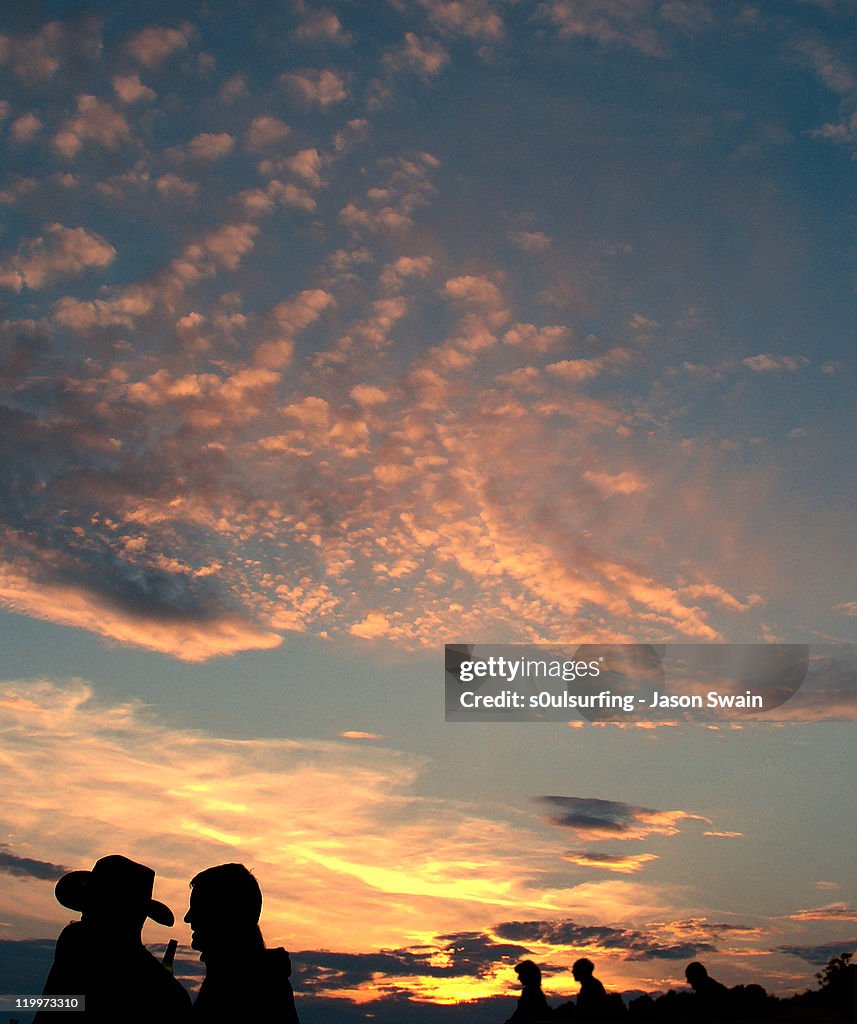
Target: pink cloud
x,y
152,46
187,639
830,912
287,320
627,482
130,89
319,25
322,88
627,24
36,58
60,252
25,128
96,121
530,241
475,19
265,132
209,146
766,363
424,57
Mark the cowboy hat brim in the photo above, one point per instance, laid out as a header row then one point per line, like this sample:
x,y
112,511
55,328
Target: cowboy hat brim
x,y
73,891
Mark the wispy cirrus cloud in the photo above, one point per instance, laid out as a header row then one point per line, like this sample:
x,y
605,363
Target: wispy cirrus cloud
x,y
829,912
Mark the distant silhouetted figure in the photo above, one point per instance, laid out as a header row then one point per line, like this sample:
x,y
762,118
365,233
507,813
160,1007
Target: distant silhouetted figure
x,y
244,981
532,1005
102,956
711,999
593,1002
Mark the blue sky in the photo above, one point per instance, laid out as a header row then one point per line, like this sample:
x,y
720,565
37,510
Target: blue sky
x,y
335,332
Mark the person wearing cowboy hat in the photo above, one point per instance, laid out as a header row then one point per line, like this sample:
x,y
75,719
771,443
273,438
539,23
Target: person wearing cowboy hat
x,y
102,956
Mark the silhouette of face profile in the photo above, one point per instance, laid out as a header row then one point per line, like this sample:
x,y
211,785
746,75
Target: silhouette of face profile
x,y
582,969
528,973
202,918
225,902
696,974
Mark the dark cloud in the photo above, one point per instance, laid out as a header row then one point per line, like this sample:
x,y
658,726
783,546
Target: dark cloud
x,y
646,949
474,950
611,819
637,945
600,858
397,1008
560,933
821,954
24,965
589,814
27,867
468,954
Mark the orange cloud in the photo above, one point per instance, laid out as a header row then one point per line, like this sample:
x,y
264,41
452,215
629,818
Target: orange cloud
x,y
60,252
96,121
185,638
152,46
310,817
620,863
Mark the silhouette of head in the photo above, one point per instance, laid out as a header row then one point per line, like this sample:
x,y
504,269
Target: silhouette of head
x,y
528,973
696,974
225,904
116,895
582,969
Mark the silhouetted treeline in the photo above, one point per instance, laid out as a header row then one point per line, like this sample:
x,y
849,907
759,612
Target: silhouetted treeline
x,y
834,1000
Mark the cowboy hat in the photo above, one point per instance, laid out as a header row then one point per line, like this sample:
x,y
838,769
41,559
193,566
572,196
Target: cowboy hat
x,y
117,880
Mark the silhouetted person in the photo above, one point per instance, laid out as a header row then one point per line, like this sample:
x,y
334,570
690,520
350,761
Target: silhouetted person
x,y
244,981
532,1004
593,1002
102,956
710,997
750,1002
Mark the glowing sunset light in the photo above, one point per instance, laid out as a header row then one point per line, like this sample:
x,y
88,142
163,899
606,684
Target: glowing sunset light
x,y
332,333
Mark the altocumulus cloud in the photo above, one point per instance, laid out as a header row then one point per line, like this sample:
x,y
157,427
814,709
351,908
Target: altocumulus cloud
x,y
202,456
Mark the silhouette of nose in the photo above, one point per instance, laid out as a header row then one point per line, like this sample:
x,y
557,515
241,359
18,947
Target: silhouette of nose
x,y
187,919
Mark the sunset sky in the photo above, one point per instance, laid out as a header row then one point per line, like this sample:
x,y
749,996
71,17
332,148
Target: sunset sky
x,y
332,333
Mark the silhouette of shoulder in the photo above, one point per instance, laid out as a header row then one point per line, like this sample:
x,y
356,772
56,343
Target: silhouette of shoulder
x,y
256,988
128,984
